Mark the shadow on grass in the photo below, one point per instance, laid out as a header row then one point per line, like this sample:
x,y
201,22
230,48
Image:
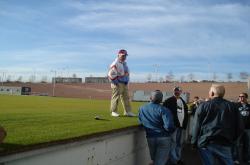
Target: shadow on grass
x,y
8,147
124,116
102,119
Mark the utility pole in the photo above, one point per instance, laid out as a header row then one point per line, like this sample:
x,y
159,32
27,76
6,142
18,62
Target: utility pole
x,y
248,84
2,79
54,82
210,72
156,69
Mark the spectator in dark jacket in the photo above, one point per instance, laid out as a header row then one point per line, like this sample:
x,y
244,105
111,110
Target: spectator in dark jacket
x,y
191,111
244,109
217,126
179,110
158,123
194,105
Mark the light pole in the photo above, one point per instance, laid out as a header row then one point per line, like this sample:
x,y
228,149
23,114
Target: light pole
x,y
54,82
156,69
3,77
248,84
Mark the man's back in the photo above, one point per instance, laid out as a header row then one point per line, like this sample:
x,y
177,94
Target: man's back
x,y
156,119
217,122
158,123
217,126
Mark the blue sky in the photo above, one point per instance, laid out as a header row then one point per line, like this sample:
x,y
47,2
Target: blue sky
x,y
83,37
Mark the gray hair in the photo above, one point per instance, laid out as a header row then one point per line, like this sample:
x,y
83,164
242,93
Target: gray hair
x,y
218,90
156,96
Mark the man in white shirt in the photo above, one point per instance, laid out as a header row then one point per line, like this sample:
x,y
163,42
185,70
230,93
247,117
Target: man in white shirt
x,y
119,76
179,110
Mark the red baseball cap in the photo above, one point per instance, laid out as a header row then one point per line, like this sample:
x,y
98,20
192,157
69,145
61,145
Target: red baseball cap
x,y
123,51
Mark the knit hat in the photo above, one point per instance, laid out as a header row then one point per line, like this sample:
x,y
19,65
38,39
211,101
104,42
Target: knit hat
x,y
156,96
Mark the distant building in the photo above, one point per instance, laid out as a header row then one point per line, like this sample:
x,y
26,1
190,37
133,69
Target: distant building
x,y
96,80
66,80
10,90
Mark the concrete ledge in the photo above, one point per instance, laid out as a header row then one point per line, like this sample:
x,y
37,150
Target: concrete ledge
x,y
124,146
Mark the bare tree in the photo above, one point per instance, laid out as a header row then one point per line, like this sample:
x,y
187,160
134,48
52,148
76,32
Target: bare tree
x,y
149,77
32,78
19,79
8,79
215,76
161,79
229,77
74,75
182,78
170,76
44,79
244,75
190,76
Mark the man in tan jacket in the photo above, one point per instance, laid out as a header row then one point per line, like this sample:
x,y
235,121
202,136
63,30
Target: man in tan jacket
x,y
119,76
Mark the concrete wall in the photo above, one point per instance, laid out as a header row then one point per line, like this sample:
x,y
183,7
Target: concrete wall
x,y
141,95
128,147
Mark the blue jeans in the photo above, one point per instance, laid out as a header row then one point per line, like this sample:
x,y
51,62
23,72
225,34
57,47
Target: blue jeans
x,y
159,148
176,146
212,151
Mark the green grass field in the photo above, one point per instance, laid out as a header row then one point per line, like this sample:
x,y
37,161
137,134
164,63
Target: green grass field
x,y
31,120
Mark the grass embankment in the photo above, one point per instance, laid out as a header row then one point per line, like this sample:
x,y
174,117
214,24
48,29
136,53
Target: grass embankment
x,y
31,120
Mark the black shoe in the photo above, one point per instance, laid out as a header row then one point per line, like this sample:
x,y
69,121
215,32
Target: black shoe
x,y
180,162
170,163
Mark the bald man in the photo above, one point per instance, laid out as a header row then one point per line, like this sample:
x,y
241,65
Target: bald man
x,y
217,126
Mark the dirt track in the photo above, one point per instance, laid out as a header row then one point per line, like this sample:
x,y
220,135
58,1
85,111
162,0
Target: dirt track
x,y
103,91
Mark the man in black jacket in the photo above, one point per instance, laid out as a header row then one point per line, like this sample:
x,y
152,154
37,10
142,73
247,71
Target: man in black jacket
x,y
217,126
179,110
244,109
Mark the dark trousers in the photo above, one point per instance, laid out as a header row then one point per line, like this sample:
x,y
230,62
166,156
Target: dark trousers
x,y
241,148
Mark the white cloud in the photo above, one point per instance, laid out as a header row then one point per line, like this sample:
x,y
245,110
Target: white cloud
x,y
114,15
194,29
